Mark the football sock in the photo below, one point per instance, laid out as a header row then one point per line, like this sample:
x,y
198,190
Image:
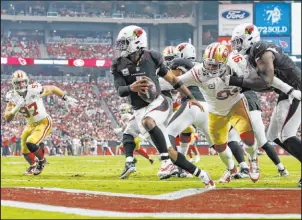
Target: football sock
x,y
271,152
142,152
190,152
226,157
184,148
30,158
129,145
193,148
158,139
39,153
237,151
183,163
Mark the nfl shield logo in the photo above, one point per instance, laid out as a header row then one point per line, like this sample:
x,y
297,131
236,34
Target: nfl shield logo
x,y
125,72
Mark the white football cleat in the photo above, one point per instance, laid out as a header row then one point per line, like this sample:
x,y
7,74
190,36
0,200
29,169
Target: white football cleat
x,y
197,158
167,169
208,182
191,160
283,172
227,175
254,170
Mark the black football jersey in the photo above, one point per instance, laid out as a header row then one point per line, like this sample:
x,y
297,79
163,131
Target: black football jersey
x,y
125,72
285,69
252,100
187,65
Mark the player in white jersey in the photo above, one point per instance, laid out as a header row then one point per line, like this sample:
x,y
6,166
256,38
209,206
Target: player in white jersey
x,y
239,65
225,103
26,99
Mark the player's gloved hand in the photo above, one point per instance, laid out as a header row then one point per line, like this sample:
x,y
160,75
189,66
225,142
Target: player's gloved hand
x,y
117,130
294,94
19,104
140,86
226,79
70,101
195,102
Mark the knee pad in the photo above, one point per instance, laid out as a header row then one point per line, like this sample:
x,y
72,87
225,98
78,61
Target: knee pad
x,y
148,123
220,148
32,147
248,138
185,137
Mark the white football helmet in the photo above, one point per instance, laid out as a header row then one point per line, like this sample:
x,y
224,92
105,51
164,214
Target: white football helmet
x,y
130,39
243,37
20,81
169,54
186,50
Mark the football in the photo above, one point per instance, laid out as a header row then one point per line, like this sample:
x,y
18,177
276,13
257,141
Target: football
x,y
152,92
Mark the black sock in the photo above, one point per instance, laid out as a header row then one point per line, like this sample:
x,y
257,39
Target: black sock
x,y
288,148
183,163
237,151
271,152
294,144
129,145
172,141
158,139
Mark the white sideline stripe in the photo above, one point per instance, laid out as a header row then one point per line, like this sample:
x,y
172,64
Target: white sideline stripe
x,y
101,213
167,196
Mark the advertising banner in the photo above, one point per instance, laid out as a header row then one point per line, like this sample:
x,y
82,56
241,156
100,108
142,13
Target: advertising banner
x,y
273,19
231,15
71,62
296,28
283,42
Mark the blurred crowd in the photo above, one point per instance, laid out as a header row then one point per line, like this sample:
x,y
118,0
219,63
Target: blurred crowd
x,y
19,47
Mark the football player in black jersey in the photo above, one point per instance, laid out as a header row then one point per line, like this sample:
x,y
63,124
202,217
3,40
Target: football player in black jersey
x,y
272,69
131,71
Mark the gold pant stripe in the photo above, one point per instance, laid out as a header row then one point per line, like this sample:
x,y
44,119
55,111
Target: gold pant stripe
x,y
46,130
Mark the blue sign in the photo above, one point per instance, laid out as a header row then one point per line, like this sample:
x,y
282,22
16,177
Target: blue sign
x,y
273,18
283,42
235,14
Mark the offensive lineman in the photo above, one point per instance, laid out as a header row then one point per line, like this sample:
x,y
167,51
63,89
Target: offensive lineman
x,y
271,68
26,99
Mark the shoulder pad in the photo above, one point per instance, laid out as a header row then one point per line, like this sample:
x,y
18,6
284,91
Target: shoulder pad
x,y
35,89
237,63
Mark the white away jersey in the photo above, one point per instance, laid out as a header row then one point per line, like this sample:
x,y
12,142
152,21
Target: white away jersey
x,y
33,109
220,98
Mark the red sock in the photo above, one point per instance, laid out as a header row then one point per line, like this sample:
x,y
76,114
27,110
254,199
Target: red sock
x,y
32,156
123,150
190,152
142,152
193,148
39,153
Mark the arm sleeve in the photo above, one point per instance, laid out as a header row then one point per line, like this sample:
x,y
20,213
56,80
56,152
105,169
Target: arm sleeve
x,y
192,77
120,85
253,81
164,85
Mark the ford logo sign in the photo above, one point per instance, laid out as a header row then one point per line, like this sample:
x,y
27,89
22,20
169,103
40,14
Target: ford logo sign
x,y
235,14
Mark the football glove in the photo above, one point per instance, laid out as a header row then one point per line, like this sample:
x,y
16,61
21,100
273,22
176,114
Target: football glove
x,y
70,101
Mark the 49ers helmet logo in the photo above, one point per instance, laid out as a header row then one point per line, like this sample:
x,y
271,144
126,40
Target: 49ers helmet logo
x,y
249,29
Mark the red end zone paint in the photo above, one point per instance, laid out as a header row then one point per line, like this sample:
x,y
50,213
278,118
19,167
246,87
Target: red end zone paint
x,y
215,201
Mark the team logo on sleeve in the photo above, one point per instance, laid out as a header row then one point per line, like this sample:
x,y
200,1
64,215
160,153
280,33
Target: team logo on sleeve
x,y
125,72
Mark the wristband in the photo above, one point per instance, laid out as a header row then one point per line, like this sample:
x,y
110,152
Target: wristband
x,y
236,81
290,91
64,97
178,85
190,97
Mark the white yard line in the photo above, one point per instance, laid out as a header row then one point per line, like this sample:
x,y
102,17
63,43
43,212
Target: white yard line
x,y
101,213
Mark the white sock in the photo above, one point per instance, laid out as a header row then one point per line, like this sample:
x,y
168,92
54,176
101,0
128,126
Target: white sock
x,y
243,165
129,159
184,148
280,166
251,151
226,157
178,148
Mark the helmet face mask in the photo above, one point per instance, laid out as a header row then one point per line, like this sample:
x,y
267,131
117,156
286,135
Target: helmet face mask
x,y
130,39
169,55
20,81
215,59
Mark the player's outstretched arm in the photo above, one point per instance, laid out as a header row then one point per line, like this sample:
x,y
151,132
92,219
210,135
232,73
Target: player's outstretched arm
x,y
178,85
265,66
49,90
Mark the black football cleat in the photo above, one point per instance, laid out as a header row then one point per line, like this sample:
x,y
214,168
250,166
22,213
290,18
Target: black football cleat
x,y
129,168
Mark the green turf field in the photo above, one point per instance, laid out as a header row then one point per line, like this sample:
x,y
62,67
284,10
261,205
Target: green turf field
x,y
101,173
